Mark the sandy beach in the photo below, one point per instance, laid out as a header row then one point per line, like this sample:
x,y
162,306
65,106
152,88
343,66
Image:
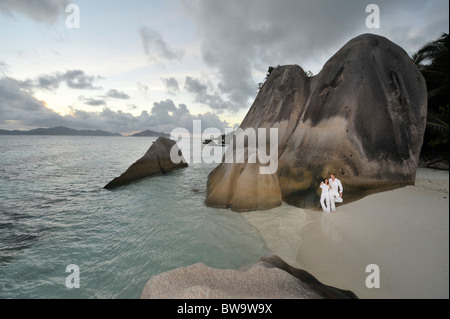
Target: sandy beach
x,y
405,232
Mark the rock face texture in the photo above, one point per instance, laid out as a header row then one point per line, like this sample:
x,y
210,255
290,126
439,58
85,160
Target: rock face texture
x,y
243,185
362,118
156,161
269,278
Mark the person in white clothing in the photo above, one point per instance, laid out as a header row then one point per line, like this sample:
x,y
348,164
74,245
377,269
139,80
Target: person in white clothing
x,y
336,192
325,197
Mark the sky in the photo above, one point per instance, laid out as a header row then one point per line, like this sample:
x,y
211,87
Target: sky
x,y
135,65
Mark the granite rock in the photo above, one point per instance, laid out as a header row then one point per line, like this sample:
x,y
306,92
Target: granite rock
x,y
156,161
362,118
270,278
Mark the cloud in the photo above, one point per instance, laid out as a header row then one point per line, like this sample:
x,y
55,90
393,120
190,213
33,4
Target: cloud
x,y
205,95
117,95
92,101
20,109
74,79
39,10
4,67
17,104
195,86
167,116
164,117
156,49
239,38
171,85
100,101
143,89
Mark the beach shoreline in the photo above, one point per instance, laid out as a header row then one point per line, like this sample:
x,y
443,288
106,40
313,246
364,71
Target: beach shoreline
x,y
404,232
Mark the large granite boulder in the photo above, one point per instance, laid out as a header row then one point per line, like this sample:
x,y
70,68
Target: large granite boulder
x,y
362,118
270,278
244,187
156,161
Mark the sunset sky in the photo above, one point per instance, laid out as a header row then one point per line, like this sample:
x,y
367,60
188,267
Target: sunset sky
x,y
136,65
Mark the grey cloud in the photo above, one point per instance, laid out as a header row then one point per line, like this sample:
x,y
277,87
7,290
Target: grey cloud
x,y
412,24
195,86
39,10
115,94
18,104
18,108
4,67
207,96
239,37
171,85
15,86
156,49
75,79
166,116
92,101
142,88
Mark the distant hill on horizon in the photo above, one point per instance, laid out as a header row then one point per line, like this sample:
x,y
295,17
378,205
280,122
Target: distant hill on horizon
x,y
150,133
60,130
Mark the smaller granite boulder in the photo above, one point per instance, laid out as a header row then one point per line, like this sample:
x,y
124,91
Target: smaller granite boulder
x,y
157,161
269,278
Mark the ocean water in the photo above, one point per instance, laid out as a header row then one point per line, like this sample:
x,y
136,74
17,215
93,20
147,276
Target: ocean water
x,y
54,212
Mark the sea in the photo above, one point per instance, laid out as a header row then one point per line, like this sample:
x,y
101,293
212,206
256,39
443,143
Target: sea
x,y
55,214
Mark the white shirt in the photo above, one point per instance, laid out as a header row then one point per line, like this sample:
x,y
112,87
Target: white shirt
x,y
325,188
336,185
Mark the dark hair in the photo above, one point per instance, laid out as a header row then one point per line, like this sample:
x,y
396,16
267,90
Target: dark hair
x,y
325,179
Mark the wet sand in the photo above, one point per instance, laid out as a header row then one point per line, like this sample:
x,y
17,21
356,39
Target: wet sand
x,y
405,232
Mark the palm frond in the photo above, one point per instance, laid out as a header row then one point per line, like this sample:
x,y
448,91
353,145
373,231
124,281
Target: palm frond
x,y
436,121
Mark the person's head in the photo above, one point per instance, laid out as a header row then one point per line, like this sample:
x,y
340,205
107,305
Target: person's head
x,y
325,181
332,176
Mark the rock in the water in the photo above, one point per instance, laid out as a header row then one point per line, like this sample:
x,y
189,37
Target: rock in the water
x,y
362,118
156,161
270,278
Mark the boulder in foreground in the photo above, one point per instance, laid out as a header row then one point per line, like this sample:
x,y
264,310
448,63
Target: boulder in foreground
x,y
156,161
270,278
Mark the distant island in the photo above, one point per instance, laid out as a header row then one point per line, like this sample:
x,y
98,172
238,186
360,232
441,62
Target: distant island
x,y
60,130
150,133
65,131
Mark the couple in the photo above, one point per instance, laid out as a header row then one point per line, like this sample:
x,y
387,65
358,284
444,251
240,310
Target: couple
x,y
331,193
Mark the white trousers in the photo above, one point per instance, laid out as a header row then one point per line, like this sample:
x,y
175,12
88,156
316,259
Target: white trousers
x,y
325,202
335,198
